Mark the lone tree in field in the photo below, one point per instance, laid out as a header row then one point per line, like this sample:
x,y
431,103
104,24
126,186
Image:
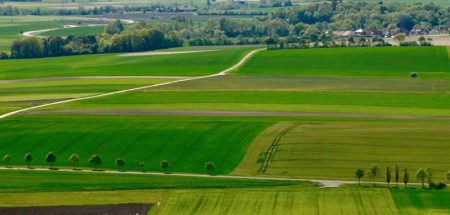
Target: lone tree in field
x,y
28,158
74,159
374,172
397,174
421,175
120,162
359,173
165,165
405,177
95,160
6,159
50,158
388,175
141,165
210,167
429,173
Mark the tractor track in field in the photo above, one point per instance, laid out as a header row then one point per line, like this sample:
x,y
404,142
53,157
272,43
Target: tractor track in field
x,y
224,72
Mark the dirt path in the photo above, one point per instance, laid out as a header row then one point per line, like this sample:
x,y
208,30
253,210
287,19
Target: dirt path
x,y
237,113
224,72
324,183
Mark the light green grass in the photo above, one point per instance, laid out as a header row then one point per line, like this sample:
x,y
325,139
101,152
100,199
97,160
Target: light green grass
x,y
339,102
111,64
271,201
54,181
188,145
335,150
422,201
429,62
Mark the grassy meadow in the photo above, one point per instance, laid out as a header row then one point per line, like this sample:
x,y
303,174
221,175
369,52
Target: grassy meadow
x,y
429,62
186,143
77,31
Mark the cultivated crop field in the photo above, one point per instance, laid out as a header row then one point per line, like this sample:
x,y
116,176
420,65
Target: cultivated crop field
x,y
281,114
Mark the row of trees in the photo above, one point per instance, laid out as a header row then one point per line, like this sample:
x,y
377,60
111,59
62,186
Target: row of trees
x,y
114,39
96,162
422,175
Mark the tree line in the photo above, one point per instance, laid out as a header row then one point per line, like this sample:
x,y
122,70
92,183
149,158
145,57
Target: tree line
x,y
115,39
403,176
96,161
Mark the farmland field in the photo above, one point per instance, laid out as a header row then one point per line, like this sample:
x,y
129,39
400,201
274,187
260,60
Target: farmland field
x,y
429,62
187,144
77,31
191,64
302,151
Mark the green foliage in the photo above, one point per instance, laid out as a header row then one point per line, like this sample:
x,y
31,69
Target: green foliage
x,y
28,47
114,27
28,158
359,173
120,162
50,158
210,167
95,160
421,176
6,159
374,172
164,165
405,176
74,159
388,175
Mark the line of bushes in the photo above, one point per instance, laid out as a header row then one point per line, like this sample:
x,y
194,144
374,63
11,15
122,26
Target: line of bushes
x,y
422,175
96,161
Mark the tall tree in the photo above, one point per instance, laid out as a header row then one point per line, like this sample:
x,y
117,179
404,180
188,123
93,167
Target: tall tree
x,y
429,173
374,172
421,176
74,159
397,174
359,173
7,159
50,158
405,177
28,158
210,167
165,165
388,175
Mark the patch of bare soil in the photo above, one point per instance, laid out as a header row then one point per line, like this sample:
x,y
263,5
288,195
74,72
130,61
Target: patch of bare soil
x,y
122,209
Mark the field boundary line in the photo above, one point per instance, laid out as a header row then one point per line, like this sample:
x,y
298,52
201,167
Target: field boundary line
x,y
222,73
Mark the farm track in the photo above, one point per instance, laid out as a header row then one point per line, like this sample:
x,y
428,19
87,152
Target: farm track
x,y
224,72
323,183
238,113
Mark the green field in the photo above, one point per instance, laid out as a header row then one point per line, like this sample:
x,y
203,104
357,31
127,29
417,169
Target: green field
x,y
429,62
54,181
421,202
115,65
16,94
187,144
78,31
304,151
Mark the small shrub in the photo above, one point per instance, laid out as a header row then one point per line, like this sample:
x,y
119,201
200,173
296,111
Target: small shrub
x,y
438,185
413,75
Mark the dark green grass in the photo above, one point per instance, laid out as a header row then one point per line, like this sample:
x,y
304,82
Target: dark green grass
x,y
374,61
188,145
111,64
420,201
12,31
31,181
385,103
